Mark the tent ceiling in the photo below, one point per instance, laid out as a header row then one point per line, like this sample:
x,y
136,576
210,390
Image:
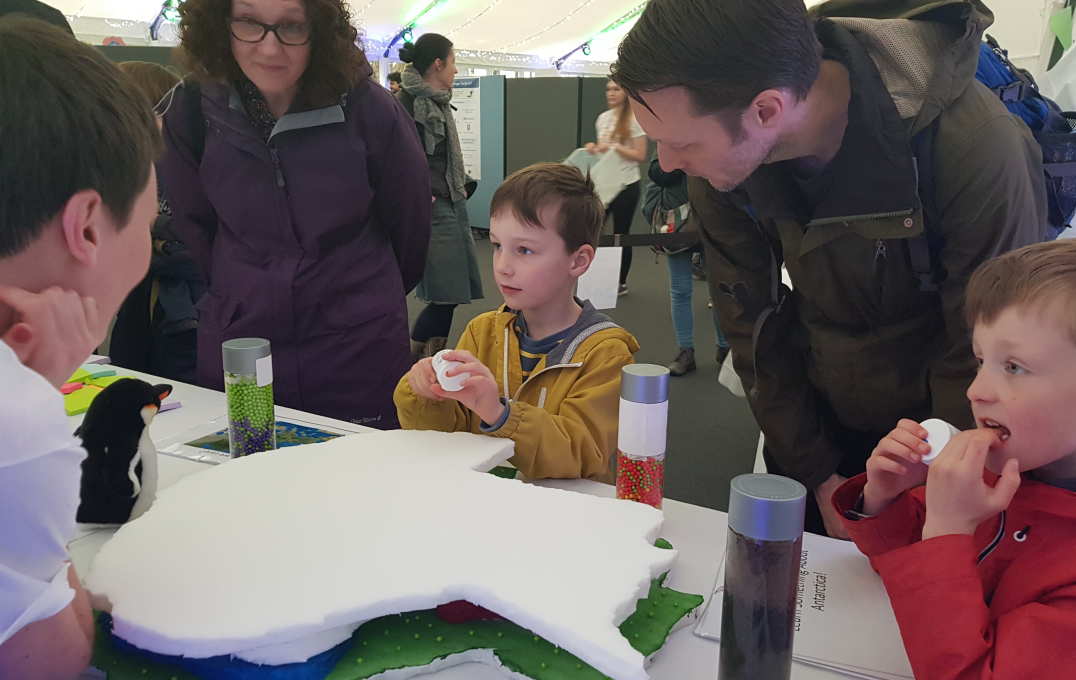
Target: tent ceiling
x,y
548,29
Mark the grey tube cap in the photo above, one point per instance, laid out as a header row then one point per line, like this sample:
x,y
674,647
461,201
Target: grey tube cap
x,y
241,354
644,383
767,507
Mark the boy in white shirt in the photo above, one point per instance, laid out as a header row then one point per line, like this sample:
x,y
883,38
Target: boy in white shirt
x,y
77,196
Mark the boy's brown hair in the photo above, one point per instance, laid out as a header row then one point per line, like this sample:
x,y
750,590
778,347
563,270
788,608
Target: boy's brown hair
x,y
1038,277
69,121
153,81
526,192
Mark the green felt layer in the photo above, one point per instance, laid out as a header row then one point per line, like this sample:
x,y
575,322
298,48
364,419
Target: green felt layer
x,y
504,471
419,638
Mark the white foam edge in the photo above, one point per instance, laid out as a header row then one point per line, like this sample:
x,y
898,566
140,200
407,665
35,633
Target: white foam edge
x,y
300,650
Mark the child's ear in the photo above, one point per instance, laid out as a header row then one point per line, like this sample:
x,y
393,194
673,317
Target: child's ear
x,y
581,260
82,220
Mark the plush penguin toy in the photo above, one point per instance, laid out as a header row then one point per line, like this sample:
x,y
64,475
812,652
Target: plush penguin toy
x,y
119,474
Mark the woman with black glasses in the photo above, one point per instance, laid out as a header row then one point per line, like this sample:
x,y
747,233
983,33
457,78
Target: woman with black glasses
x,y
301,188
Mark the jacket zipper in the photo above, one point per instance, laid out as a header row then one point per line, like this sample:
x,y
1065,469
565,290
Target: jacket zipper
x,y
881,252
276,166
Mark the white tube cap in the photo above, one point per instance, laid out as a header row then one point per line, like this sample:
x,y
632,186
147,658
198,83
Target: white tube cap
x,y
440,365
939,433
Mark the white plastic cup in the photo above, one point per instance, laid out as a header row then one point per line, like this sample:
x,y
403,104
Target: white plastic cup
x,y
440,367
939,433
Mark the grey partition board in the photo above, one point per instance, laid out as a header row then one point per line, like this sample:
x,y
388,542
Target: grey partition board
x,y
541,120
591,103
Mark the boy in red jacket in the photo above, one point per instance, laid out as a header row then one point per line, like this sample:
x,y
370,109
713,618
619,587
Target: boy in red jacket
x,y
980,563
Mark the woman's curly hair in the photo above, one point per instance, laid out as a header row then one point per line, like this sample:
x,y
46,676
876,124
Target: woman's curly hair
x,y
337,63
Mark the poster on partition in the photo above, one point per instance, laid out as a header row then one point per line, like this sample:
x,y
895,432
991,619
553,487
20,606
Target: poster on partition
x,y
467,99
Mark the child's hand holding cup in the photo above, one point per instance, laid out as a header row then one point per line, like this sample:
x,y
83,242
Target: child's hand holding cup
x,y
441,365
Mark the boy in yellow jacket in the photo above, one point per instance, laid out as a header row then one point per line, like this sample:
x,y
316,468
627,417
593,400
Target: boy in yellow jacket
x,y
545,367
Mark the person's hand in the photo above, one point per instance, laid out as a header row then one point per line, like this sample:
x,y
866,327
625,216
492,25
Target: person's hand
x,y
958,498
53,331
601,148
423,379
591,147
479,393
895,465
823,493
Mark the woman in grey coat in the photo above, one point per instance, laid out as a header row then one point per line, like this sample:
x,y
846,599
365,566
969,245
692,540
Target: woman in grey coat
x,y
451,277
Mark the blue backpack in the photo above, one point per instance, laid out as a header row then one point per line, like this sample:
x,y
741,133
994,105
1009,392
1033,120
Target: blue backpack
x,y
1052,128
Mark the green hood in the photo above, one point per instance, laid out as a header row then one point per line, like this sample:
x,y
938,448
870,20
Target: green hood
x,y
926,50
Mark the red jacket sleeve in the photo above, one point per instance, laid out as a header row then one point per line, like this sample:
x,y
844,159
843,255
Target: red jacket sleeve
x,y
936,590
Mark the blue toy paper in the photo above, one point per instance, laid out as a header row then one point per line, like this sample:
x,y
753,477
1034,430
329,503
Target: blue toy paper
x,y
287,434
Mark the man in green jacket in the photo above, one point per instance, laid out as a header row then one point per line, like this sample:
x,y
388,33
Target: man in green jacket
x,y
802,131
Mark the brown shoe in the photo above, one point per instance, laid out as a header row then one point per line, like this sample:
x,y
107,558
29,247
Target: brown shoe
x,y
435,345
683,363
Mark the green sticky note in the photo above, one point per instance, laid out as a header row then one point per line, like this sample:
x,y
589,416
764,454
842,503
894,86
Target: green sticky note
x,y
1061,25
78,402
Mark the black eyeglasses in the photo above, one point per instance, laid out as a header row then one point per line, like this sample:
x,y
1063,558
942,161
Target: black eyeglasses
x,y
251,31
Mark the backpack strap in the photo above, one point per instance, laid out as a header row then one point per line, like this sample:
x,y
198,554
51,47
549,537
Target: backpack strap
x,y
195,123
923,248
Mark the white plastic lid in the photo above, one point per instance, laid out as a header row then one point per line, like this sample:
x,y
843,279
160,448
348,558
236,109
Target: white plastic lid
x,y
939,433
440,365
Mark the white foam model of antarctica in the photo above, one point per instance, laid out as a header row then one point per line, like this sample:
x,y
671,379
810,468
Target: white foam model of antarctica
x,y
277,557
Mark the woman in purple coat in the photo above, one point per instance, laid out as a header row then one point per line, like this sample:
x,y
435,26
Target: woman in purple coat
x,y
301,188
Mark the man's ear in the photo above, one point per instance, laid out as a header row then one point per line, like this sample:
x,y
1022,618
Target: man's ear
x,y
83,219
766,109
581,260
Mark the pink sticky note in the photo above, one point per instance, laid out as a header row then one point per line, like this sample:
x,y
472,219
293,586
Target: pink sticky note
x,y
68,388
170,406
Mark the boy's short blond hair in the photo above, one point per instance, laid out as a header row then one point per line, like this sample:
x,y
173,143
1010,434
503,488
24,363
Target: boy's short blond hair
x,y
580,212
1038,277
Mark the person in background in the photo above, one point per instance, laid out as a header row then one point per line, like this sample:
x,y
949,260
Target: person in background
x,y
617,132
77,197
395,81
801,132
666,202
156,329
451,277
300,188
545,367
976,550
37,10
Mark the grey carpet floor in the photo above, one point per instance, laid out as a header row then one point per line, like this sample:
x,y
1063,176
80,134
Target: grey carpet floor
x,y
712,435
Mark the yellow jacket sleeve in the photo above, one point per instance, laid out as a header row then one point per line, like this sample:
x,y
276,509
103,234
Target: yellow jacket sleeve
x,y
419,413
578,439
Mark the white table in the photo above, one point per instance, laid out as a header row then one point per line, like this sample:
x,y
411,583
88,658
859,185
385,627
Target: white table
x,y
697,533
